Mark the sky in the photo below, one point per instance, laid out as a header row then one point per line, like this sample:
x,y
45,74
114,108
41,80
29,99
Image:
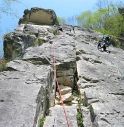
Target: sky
x,y
63,8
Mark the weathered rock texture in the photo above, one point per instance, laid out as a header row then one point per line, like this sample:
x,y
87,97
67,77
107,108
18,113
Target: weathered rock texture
x,y
23,94
28,88
15,43
57,117
39,16
101,78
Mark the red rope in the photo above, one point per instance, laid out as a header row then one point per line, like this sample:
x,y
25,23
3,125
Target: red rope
x,y
62,103
61,99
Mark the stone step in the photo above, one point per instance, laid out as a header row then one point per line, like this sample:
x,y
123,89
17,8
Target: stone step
x,y
65,90
57,118
65,98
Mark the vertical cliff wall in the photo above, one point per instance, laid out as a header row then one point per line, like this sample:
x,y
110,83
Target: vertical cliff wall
x,y
90,81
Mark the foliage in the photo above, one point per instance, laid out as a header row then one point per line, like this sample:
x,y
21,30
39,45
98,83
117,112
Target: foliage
x,y
41,121
2,65
79,119
55,32
84,20
61,20
79,112
105,19
39,41
79,115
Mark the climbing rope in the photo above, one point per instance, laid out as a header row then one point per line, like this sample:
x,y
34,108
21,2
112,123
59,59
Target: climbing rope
x,y
52,50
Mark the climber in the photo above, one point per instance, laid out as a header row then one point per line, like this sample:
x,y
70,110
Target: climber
x,y
104,43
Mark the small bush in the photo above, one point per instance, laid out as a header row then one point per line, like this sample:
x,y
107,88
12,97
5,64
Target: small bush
x,y
3,65
79,112
41,121
55,32
39,41
79,118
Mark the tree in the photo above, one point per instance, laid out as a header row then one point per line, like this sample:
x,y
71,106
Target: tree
x,y
105,19
85,19
61,20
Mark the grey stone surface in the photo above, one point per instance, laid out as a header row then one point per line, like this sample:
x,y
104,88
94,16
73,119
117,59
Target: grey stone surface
x,y
65,90
27,85
24,36
15,44
23,94
86,117
101,77
57,116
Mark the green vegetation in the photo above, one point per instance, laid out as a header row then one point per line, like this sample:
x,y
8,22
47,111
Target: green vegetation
x,y
41,121
3,65
79,118
55,32
79,113
61,20
39,41
105,19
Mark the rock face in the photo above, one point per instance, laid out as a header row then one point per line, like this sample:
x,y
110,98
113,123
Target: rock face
x,y
28,87
23,94
39,16
15,43
101,78
54,120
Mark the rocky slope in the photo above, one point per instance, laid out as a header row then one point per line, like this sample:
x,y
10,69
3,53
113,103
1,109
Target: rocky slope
x,y
90,81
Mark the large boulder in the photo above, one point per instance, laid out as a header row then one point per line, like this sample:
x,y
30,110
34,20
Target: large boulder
x,y
39,16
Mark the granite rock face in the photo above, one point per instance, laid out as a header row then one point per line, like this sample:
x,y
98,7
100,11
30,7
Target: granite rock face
x,y
28,86
15,44
24,36
39,16
24,93
101,78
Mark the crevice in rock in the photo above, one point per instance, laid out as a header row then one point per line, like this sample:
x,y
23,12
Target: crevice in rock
x,y
80,52
119,93
1,100
90,79
105,120
86,109
44,100
39,60
91,60
10,69
87,86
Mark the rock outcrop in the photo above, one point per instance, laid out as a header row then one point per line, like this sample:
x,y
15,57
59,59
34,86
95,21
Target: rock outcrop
x,y
15,43
90,81
39,16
